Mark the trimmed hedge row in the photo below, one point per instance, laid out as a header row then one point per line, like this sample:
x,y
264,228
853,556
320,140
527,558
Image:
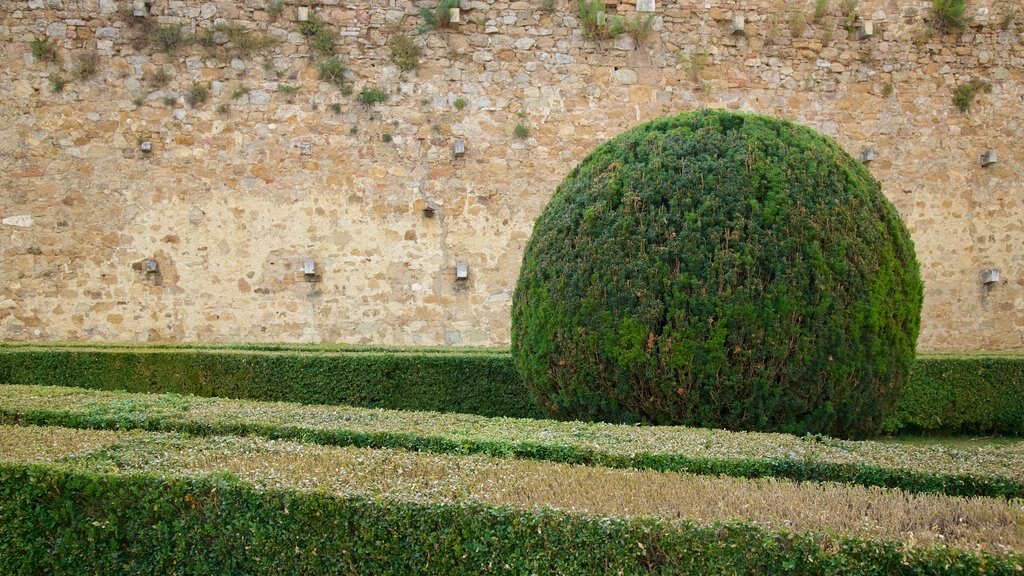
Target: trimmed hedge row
x,y
57,520
126,414
479,383
949,394
963,394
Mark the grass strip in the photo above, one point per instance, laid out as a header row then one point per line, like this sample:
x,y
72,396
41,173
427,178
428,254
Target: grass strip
x,y
58,520
951,394
995,471
916,520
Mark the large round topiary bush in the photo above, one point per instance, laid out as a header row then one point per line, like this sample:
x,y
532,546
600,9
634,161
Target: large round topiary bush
x,y
723,270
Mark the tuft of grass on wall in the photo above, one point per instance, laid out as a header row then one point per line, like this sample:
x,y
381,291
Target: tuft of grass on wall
x,y
596,23
640,27
86,66
167,38
334,71
963,94
371,96
439,17
57,83
246,42
950,15
197,95
275,8
320,36
43,50
404,52
820,10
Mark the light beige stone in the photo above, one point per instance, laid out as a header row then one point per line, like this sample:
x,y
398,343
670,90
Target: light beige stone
x,y
230,207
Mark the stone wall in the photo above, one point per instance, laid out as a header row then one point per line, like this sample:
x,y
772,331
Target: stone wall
x,y
278,166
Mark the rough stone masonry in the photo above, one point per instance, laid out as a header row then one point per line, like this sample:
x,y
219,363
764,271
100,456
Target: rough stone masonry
x,y
134,209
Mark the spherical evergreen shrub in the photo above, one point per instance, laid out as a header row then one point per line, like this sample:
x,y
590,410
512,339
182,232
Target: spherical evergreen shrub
x,y
723,270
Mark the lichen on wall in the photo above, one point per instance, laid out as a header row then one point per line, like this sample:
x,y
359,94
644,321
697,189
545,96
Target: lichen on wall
x,y
278,164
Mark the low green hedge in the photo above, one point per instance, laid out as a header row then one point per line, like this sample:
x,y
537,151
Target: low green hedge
x,y
979,472
946,394
59,521
482,383
981,394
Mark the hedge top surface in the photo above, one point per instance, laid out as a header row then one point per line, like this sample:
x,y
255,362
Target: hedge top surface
x,y
604,442
719,269
971,523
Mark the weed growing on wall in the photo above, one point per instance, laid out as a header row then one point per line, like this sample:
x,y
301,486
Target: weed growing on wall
x,y
318,34
274,8
596,24
963,95
43,50
797,24
820,9
288,91
159,77
404,52
57,83
371,96
165,38
950,15
87,65
334,71
640,27
438,18
197,95
694,65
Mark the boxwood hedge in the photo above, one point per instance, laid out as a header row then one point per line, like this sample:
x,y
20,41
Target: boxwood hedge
x,y
55,520
967,394
983,471
722,270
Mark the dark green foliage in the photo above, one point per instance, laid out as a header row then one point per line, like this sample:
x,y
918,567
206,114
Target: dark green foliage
x,y
980,394
950,15
963,94
319,35
948,394
58,521
483,383
371,96
721,270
